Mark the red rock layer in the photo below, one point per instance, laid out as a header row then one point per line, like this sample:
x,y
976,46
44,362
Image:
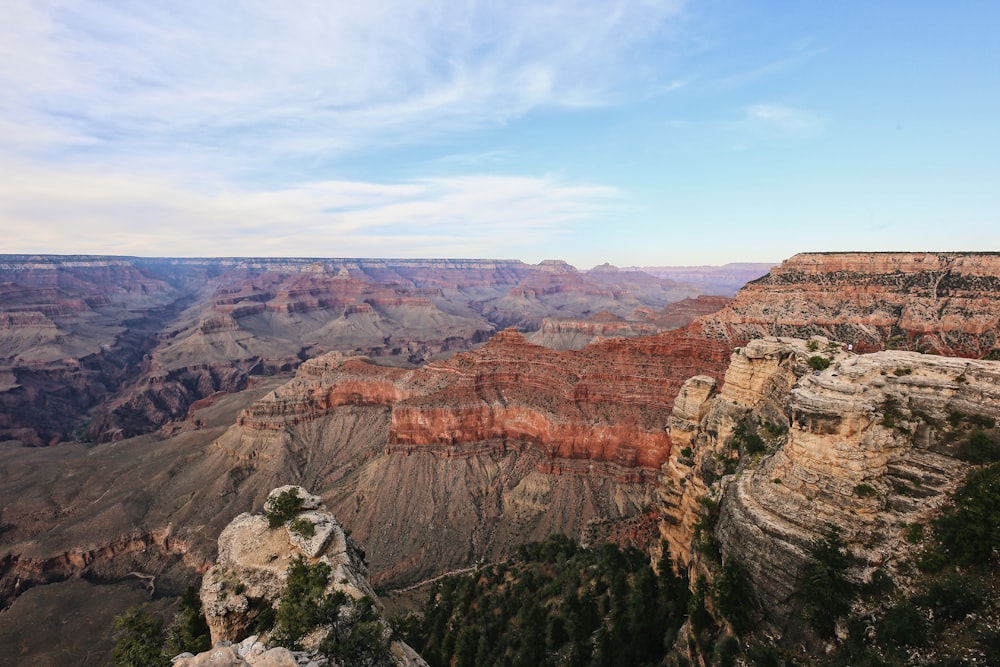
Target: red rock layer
x,y
945,303
608,403
681,313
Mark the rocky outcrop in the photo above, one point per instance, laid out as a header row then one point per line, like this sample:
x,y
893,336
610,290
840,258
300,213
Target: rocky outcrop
x,y
682,313
251,575
944,303
558,334
871,445
576,334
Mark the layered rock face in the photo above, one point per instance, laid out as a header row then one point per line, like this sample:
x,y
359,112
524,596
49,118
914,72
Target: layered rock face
x,y
608,403
870,445
936,302
726,280
566,334
468,458
72,329
107,348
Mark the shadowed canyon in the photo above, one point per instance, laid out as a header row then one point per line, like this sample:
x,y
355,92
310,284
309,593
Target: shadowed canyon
x,y
449,411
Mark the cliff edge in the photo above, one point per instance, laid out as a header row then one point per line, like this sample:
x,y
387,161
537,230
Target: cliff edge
x,y
291,587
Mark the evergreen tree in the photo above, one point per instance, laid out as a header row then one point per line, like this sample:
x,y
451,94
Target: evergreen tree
x,y
140,639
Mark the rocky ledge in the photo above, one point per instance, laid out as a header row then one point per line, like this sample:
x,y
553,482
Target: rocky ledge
x,y
870,444
250,577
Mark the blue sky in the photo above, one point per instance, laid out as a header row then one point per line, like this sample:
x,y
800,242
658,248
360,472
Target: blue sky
x,y
640,133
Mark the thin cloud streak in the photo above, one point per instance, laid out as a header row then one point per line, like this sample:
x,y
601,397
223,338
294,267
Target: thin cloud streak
x,y
786,120
509,215
135,76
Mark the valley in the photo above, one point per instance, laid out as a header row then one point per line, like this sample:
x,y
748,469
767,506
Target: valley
x,y
449,412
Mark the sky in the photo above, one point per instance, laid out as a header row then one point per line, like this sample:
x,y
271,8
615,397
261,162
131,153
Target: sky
x,y
635,132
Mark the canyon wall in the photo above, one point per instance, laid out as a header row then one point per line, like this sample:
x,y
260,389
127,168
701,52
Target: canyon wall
x,y
609,403
439,464
870,445
99,349
944,303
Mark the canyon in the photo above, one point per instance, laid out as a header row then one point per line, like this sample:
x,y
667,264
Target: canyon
x,y
461,455
100,349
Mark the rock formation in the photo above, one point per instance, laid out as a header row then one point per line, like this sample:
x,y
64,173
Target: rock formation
x,y
251,574
933,302
107,348
871,444
608,403
468,458
726,280
576,334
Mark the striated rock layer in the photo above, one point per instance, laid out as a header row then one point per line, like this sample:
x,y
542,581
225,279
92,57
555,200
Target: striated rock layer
x,y
871,445
105,348
608,403
945,303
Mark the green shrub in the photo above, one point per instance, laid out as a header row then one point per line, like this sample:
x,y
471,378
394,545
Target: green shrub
x,y
305,603
970,530
950,598
359,638
698,615
865,491
754,443
302,527
823,585
818,363
980,448
140,639
878,584
282,507
914,533
903,625
734,597
143,641
982,421
813,345
189,629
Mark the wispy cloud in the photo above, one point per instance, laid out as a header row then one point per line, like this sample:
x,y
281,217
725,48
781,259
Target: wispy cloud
x,y
785,120
143,215
304,76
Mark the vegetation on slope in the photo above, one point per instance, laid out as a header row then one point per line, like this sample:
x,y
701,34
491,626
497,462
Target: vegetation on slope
x,y
555,604
558,603
561,604
143,641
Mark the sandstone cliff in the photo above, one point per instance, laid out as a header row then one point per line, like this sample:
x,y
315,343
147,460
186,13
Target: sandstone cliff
x,y
872,444
576,334
468,458
608,403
